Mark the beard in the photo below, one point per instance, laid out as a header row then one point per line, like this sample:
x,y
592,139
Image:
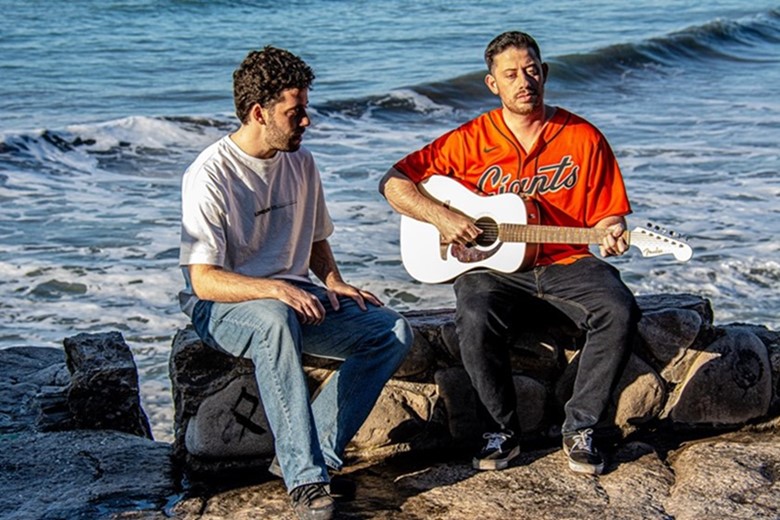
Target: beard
x,y
284,141
521,109
524,108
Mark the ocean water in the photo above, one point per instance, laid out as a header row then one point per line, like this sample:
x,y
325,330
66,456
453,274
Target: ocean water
x,y
104,104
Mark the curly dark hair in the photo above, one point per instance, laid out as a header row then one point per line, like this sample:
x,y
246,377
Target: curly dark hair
x,y
509,39
263,75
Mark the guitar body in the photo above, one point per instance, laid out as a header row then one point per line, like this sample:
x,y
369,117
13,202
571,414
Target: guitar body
x,y
510,236
428,261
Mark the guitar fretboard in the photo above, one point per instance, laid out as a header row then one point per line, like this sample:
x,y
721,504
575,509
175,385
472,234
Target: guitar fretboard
x,y
533,234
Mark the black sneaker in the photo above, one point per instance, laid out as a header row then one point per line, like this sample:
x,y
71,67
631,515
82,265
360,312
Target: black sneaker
x,y
340,487
312,502
499,450
583,456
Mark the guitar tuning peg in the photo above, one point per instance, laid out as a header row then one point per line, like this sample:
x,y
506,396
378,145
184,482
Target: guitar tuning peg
x,y
670,233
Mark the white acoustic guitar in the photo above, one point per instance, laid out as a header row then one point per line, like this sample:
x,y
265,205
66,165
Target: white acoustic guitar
x,y
509,239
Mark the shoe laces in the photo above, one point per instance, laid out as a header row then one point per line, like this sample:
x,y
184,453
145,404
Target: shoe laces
x,y
495,440
307,494
583,440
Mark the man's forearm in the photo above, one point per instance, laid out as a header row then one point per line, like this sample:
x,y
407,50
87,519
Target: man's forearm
x,y
404,197
215,284
323,264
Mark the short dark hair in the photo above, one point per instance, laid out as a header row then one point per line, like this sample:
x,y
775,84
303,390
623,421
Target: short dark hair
x,y
264,75
509,39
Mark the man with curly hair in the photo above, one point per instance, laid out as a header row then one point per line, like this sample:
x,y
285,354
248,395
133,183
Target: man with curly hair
x,y
254,223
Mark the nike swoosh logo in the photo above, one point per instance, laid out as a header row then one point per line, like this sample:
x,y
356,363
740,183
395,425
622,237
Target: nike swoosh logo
x,y
490,149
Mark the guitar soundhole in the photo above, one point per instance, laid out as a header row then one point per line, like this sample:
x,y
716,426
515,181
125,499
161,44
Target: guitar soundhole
x,y
489,231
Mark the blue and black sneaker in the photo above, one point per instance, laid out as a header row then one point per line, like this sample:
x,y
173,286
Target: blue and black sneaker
x,y
499,450
582,455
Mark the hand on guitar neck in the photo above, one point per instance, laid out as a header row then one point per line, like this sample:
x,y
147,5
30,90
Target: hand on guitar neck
x,y
616,239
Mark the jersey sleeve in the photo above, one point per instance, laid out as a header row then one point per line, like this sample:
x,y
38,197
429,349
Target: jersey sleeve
x,y
443,156
606,190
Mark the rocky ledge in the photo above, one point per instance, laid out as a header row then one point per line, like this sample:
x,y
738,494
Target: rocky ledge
x,y
696,414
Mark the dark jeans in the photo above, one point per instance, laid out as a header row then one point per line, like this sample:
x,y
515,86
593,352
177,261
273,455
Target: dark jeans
x,y
589,291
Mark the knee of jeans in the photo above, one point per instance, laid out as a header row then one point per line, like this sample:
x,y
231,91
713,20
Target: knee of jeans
x,y
473,309
398,333
280,317
404,334
624,311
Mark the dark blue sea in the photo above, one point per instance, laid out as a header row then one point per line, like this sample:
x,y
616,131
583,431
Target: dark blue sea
x,y
104,104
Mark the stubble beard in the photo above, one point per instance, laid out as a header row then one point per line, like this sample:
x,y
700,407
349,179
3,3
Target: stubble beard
x,y
283,141
525,109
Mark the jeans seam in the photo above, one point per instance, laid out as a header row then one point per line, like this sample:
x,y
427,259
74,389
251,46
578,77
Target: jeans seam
x,y
538,272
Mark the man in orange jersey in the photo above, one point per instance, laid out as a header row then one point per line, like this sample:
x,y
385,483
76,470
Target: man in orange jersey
x,y
567,167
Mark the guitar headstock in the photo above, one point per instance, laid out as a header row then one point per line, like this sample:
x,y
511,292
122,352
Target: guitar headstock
x,y
655,242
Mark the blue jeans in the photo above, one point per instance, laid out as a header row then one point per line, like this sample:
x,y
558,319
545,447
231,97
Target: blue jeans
x,y
492,305
309,436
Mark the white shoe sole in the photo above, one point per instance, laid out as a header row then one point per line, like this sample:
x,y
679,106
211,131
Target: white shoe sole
x,y
588,469
489,464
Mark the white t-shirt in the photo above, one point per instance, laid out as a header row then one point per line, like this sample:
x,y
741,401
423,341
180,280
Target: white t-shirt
x,y
256,217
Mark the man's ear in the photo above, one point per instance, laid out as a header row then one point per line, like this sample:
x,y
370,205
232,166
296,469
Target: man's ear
x,y
545,71
256,113
490,81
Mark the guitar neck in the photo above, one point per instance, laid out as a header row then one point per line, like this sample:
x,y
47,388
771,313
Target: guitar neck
x,y
533,234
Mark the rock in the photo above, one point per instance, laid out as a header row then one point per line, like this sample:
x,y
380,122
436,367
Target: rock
x,y
426,420
637,483
49,469
82,475
26,373
103,391
540,486
667,335
640,393
230,423
732,477
729,382
197,372
419,359
460,403
641,483
656,302
430,401
404,418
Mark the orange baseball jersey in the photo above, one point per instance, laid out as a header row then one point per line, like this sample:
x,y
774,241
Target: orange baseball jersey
x,y
571,171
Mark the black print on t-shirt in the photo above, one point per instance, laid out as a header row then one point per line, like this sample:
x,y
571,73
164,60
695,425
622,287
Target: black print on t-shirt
x,y
275,206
